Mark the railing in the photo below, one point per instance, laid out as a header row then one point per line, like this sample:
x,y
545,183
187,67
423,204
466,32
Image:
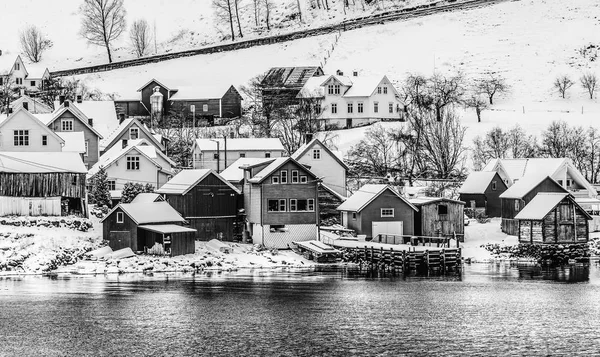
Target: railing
x,y
443,241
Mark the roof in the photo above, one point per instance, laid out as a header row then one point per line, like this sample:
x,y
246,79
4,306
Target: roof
x,y
34,118
541,205
41,162
147,197
74,141
102,112
420,201
154,80
304,148
185,180
366,194
241,144
525,185
331,191
36,71
84,119
289,77
363,86
116,152
477,182
235,174
167,228
117,132
274,166
154,212
206,91
345,81
36,106
517,168
313,88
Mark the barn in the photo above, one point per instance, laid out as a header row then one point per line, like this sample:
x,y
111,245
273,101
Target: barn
x,y
553,218
439,217
149,227
481,191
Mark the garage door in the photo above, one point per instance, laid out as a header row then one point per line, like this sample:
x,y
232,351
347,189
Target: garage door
x,y
119,239
393,228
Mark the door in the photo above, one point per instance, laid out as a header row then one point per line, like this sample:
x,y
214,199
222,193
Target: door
x,y
348,123
119,239
386,228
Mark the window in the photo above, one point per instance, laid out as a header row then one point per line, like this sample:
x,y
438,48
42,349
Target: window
x,y
134,133
242,154
569,183
19,81
66,124
216,156
493,185
354,216
330,89
384,90
333,108
376,107
387,212
293,205
311,205
302,205
120,217
317,154
378,90
21,137
273,205
112,185
204,107
283,176
17,66
516,205
275,180
32,83
350,108
133,162
87,145
74,181
295,177
360,107
282,205
442,209
267,155
391,108
44,140
303,179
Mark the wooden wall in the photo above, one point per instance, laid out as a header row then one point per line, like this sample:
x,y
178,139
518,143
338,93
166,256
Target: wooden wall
x,y
35,206
181,243
120,235
42,184
209,198
402,212
231,104
429,223
565,224
213,228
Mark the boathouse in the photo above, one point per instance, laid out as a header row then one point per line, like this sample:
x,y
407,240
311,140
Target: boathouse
x,y
439,217
553,218
481,192
149,227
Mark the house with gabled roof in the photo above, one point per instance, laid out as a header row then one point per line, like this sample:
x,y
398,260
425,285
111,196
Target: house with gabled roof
x,y
346,102
377,209
517,196
281,210
147,197
217,154
553,218
481,192
439,217
130,129
30,77
138,162
234,173
281,85
148,227
23,131
208,202
33,105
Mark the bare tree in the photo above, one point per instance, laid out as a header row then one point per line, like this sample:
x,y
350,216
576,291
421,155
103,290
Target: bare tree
x,y
236,5
268,6
446,90
256,7
140,37
33,43
300,9
589,82
103,22
476,102
520,144
562,84
375,154
492,85
224,12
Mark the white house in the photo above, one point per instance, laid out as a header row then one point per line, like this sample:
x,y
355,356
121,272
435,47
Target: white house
x,y
325,164
29,78
138,162
22,131
218,154
130,129
34,106
353,101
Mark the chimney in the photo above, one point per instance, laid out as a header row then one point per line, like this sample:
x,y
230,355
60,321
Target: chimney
x,y
355,73
61,99
91,121
121,118
10,110
339,72
308,137
26,105
79,98
66,103
124,143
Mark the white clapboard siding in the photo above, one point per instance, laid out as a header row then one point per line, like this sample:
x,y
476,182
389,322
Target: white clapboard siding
x,y
35,206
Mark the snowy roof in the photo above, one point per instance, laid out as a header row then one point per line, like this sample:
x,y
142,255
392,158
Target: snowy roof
x,y
147,197
108,141
157,81
102,112
41,162
331,191
185,180
307,146
477,182
74,141
34,119
235,174
167,228
274,166
517,168
45,117
83,118
153,212
289,77
35,71
541,205
363,86
313,88
142,146
343,80
207,91
525,185
241,144
419,201
366,194
6,63
35,105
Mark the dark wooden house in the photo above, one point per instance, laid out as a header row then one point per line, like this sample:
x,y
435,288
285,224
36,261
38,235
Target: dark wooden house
x,y
42,183
281,85
517,196
553,218
210,101
208,202
481,192
281,201
148,227
439,217
378,209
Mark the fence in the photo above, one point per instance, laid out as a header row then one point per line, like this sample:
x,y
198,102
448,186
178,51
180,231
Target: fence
x,y
443,241
25,206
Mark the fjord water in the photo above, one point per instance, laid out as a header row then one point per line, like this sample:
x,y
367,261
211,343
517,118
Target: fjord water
x,y
485,310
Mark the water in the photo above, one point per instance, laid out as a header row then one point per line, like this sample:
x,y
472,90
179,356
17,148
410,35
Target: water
x,y
486,310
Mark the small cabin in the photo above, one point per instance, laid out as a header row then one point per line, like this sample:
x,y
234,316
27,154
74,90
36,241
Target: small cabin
x,y
148,227
481,192
439,217
553,218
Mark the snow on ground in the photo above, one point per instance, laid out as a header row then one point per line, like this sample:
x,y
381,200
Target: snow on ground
x,y
478,234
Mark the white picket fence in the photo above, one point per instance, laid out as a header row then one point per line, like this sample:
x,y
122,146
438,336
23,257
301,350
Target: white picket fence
x,y
26,206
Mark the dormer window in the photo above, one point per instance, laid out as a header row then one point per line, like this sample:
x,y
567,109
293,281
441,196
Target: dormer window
x,y
333,89
134,133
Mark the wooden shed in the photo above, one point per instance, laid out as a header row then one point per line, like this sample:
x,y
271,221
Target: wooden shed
x,y
439,217
553,218
481,192
149,227
210,203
